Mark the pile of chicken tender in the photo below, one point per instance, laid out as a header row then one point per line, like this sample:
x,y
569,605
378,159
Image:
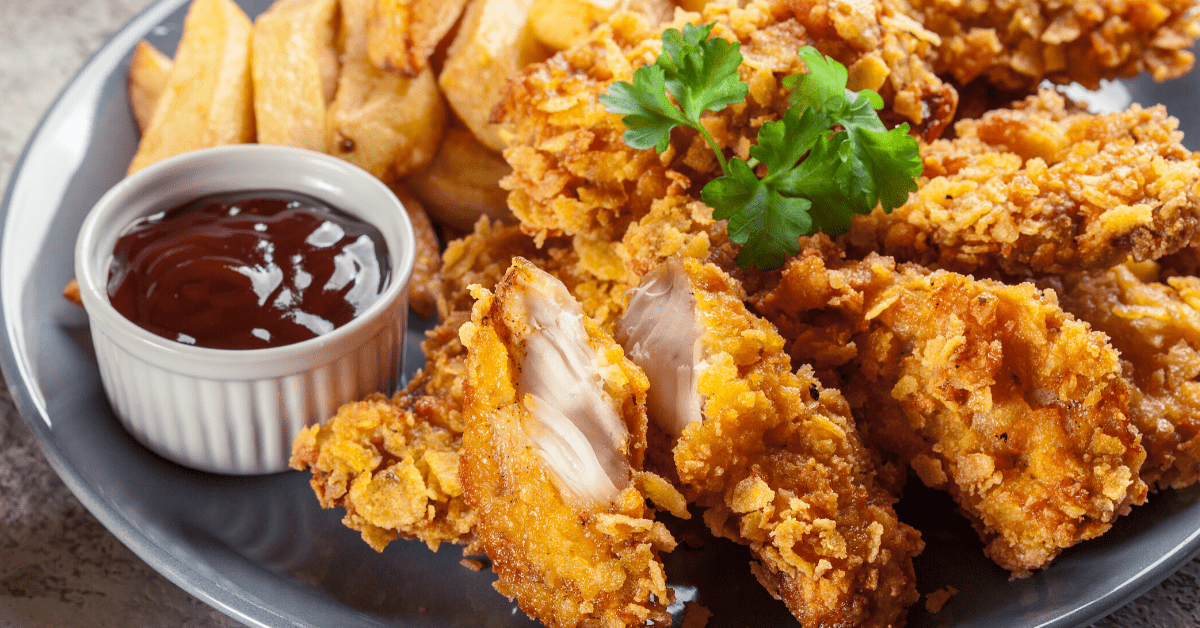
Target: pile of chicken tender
x,y
1023,334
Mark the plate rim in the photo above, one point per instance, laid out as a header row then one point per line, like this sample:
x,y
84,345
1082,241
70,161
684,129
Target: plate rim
x,y
240,605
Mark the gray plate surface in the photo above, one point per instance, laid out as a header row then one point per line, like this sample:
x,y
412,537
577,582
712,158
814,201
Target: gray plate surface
x,y
261,550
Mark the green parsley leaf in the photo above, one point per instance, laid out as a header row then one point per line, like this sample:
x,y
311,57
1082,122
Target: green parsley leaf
x,y
699,72
766,223
829,158
649,114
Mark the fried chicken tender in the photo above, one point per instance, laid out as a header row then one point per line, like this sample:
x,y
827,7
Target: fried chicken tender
x,y
1155,324
1017,44
573,174
988,391
392,464
772,455
556,431
1043,189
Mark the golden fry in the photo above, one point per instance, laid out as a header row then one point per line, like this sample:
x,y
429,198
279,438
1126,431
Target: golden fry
x,y
561,24
207,100
402,34
148,72
462,182
493,43
388,125
294,68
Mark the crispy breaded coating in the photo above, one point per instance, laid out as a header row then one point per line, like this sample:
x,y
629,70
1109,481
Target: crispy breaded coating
x,y
393,468
380,459
1155,324
574,175
1042,189
988,391
550,459
773,456
1018,43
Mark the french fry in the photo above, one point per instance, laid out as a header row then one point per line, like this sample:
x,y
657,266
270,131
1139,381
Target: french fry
x,y
426,282
387,124
561,24
493,42
148,71
294,65
207,100
402,34
462,182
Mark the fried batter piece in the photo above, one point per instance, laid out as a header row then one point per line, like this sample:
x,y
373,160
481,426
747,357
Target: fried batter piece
x,y
573,174
556,432
1155,324
392,464
772,455
1044,189
1016,44
988,391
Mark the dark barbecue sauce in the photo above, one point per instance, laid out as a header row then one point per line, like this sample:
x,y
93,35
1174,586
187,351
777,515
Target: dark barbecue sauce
x,y
247,270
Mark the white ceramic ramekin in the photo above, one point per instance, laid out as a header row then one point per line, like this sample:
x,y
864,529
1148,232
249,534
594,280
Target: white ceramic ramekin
x,y
228,411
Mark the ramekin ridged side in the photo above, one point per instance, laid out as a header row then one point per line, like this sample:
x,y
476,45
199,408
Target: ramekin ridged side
x,y
238,426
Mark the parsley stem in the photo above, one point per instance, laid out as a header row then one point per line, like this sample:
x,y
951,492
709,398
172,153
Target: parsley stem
x,y
712,143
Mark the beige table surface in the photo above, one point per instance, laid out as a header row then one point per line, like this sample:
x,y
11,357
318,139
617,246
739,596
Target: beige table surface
x,y
58,566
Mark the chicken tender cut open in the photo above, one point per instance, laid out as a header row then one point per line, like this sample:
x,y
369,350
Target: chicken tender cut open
x,y
988,391
392,464
772,456
552,457
1045,188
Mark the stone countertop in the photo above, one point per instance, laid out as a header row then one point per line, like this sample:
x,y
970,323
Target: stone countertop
x,y
58,565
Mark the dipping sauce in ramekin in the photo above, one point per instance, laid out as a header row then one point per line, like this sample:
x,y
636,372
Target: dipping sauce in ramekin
x,y
237,411
247,270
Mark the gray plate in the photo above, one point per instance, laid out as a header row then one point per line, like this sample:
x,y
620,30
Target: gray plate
x,y
261,550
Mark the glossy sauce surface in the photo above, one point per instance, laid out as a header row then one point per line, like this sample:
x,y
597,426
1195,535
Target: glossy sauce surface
x,y
247,270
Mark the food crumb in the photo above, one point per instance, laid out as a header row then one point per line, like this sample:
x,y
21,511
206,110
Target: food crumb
x,y
936,600
693,539
473,565
421,609
695,615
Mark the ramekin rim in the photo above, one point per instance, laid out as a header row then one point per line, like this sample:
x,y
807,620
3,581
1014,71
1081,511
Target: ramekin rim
x,y
96,301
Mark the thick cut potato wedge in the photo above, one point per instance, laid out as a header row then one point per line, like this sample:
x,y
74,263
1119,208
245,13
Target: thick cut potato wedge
x,y
148,72
207,100
403,34
295,67
387,124
463,182
493,42
561,24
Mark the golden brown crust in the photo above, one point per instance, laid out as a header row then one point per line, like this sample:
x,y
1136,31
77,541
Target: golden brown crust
x,y
393,466
567,563
1017,44
1041,189
986,390
575,176
780,467
1156,327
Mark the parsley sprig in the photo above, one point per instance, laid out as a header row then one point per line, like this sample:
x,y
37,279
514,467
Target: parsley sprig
x,y
828,158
